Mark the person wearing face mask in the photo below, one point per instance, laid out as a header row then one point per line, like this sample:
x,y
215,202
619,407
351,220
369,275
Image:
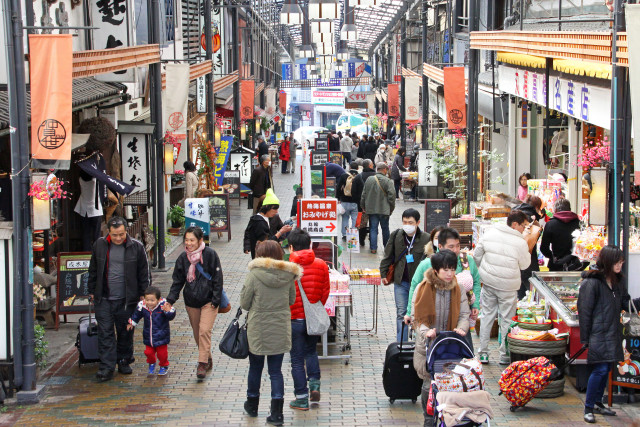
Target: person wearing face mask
x,y
404,250
432,246
381,156
261,181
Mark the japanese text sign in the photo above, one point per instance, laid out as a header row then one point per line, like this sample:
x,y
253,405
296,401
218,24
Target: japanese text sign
x,y
319,217
133,149
242,163
221,158
427,174
176,99
196,213
112,19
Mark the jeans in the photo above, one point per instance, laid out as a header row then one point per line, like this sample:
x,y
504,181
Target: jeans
x,y
274,365
401,294
374,220
350,211
303,350
396,185
284,165
597,383
346,159
115,343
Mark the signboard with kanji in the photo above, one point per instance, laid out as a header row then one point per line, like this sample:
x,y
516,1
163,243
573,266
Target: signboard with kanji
x,y
221,159
133,149
241,161
319,217
196,213
427,175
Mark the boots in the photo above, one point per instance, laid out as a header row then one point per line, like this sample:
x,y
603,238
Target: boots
x,y
276,418
424,399
314,390
251,406
301,404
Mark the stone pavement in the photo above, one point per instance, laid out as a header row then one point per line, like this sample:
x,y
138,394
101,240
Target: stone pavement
x,y
352,394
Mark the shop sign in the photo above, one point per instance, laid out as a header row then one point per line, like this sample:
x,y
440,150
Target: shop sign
x,y
201,92
455,100
176,100
319,217
327,97
133,149
302,70
358,69
242,162
221,158
412,100
581,101
358,97
112,19
287,71
427,174
196,213
270,101
217,34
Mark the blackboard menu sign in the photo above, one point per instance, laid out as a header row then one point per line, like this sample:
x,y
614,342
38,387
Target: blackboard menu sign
x,y
232,179
626,373
219,213
322,142
317,180
319,158
72,292
331,186
437,212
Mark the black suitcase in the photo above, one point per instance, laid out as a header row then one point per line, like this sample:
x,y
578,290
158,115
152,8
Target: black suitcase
x,y
87,340
399,378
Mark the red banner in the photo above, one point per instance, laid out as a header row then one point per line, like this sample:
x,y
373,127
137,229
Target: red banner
x,y
394,99
51,69
247,99
454,97
283,103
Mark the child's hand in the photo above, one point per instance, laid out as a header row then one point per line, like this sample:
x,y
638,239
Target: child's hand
x,y
130,327
166,307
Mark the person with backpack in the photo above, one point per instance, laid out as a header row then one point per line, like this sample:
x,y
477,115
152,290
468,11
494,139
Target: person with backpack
x,y
349,191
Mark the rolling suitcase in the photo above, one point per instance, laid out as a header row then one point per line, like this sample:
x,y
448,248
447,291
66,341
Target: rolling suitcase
x,y
399,378
87,340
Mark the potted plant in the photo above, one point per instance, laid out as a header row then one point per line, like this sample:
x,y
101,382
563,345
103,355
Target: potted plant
x,y
178,177
41,347
176,217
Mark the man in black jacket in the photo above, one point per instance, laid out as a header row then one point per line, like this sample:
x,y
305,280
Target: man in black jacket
x,y
261,180
349,191
557,239
118,276
263,147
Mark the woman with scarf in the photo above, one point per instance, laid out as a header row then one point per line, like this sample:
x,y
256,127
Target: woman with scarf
x,y
198,271
439,304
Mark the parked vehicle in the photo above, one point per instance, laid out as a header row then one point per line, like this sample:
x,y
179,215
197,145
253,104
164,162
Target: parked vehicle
x,y
307,133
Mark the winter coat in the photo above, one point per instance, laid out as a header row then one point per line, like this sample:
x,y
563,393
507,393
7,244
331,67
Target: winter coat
x,y
533,216
334,143
334,170
380,157
258,229
263,149
500,255
397,167
361,146
599,308
376,200
357,185
429,250
292,149
395,246
315,280
354,151
370,150
202,290
136,275
191,185
285,151
268,292
261,180
346,144
156,331
557,241
443,302
366,173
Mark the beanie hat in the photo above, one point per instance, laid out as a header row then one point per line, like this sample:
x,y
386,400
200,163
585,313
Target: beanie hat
x,y
270,198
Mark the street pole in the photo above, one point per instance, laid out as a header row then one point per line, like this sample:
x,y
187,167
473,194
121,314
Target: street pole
x,y
425,79
403,95
236,85
211,112
472,109
23,338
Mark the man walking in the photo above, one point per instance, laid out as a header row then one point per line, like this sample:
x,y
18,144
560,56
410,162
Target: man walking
x,y
118,277
349,191
346,144
261,180
500,254
292,153
378,201
263,147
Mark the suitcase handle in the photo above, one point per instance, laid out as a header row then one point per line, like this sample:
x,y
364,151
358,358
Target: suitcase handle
x,y
409,334
91,330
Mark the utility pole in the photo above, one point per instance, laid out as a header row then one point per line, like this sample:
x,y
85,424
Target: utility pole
x,y
403,95
472,108
236,85
211,112
425,79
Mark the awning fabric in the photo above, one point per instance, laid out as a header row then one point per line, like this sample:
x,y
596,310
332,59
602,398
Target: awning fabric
x,y
522,60
582,68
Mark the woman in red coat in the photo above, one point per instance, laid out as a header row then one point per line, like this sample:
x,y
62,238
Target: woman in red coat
x,y
285,155
315,282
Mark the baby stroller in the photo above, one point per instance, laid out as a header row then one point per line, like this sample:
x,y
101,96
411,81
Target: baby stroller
x,y
446,348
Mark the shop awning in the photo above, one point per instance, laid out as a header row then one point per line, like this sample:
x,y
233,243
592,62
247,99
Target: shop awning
x,y
522,59
582,68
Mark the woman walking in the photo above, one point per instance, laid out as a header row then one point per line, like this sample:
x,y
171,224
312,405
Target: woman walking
x,y
396,168
285,153
198,271
268,292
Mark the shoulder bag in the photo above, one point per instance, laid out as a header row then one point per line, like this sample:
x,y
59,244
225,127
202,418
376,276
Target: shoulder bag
x,y
632,327
392,267
315,314
234,342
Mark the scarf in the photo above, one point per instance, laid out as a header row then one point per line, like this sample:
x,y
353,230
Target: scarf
x,y
425,302
194,258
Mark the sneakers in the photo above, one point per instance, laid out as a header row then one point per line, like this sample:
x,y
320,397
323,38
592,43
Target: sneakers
x,y
314,390
104,375
505,361
152,368
589,418
209,364
301,404
201,370
603,410
124,368
251,406
484,358
163,370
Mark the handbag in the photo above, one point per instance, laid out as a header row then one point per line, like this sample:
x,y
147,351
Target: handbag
x,y
317,318
632,326
234,342
466,375
225,305
392,268
569,263
362,221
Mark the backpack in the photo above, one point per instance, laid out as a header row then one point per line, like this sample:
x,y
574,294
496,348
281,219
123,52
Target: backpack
x,y
347,186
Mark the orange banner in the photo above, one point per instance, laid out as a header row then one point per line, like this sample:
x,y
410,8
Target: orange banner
x,y
454,97
283,103
394,99
51,66
247,96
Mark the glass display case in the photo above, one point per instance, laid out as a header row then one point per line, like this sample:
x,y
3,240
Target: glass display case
x,y
560,291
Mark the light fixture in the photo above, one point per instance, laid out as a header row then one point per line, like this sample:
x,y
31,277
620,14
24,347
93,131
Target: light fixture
x,y
513,99
322,38
324,9
168,159
349,31
343,54
306,51
529,106
291,14
311,63
598,196
338,66
257,126
384,125
321,26
462,151
418,134
539,109
41,208
216,135
243,132
325,59
363,3
578,126
325,49
398,127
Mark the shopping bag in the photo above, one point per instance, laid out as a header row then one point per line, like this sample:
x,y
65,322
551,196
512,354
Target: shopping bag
x,y
462,376
234,342
316,315
431,401
362,221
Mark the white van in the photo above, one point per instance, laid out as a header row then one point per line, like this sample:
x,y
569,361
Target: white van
x,y
352,122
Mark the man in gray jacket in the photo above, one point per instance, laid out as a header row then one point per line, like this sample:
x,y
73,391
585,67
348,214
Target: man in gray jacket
x,y
500,255
346,144
378,201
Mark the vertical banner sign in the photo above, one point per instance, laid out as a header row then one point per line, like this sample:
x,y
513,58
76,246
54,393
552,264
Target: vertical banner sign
x,y
454,97
247,89
283,102
221,158
133,149
201,93
394,99
427,175
371,104
270,101
633,35
242,162
51,65
112,19
217,35
175,100
287,72
412,103
303,72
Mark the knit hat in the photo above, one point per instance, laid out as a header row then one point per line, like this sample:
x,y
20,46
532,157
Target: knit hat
x,y
270,198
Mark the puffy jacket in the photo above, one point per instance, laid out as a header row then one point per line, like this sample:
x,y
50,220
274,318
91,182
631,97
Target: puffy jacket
x,y
285,153
500,255
315,280
557,241
156,331
599,308
202,290
357,185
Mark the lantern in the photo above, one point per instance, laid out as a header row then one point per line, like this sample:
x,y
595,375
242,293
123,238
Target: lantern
x,y
41,208
168,159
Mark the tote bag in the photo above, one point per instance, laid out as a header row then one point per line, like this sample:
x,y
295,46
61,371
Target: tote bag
x,y
316,315
234,342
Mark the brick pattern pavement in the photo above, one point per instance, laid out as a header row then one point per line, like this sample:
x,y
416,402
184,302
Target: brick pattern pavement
x,y
351,394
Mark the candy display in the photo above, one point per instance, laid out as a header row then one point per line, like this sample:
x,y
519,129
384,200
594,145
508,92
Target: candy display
x,y
369,276
589,243
548,190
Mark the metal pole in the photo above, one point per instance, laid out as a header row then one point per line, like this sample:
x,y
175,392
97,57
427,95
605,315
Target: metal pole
x,y
521,15
547,124
403,88
236,85
472,108
559,15
155,80
626,193
425,79
23,335
209,77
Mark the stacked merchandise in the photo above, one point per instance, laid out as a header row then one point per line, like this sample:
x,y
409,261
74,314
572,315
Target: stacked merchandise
x,y
464,226
339,292
365,276
548,190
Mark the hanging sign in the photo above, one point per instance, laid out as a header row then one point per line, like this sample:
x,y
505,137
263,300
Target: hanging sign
x,y
454,97
51,63
175,100
201,93
327,97
283,102
242,162
112,19
217,36
394,99
270,101
319,217
287,72
221,158
427,175
133,153
359,97
412,100
247,97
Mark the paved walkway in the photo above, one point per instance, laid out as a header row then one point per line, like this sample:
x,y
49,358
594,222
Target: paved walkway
x,y
352,394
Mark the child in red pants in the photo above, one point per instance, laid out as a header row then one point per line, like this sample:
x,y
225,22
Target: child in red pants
x,y
156,332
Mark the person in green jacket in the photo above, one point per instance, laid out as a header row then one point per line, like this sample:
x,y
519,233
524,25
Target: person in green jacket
x,y
448,239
